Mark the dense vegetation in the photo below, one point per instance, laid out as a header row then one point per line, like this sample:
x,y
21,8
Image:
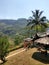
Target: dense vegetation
x,y
11,27
4,45
18,39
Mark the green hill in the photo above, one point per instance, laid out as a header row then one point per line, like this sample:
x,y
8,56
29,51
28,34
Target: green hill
x,y
10,27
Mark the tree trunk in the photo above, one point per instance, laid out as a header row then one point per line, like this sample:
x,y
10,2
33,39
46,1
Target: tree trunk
x,y
3,59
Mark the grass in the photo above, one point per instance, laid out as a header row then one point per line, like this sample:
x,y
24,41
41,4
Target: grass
x,y
12,45
25,58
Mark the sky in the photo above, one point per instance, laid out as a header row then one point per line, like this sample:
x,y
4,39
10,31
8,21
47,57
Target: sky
x,y
14,9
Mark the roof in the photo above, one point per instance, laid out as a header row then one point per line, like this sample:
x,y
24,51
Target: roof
x,y
44,40
28,39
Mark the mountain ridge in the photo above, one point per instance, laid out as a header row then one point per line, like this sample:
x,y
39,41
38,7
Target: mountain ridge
x,y
9,26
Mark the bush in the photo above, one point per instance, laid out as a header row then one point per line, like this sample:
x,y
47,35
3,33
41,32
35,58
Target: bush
x,y
4,45
18,39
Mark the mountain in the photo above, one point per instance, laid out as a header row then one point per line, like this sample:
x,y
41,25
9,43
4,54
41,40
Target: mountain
x,y
10,21
9,26
7,21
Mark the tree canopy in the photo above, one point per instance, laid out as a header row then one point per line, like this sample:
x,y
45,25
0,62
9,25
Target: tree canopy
x,y
37,20
4,45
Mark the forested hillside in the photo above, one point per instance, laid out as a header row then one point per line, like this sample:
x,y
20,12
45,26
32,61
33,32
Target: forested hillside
x,y
8,26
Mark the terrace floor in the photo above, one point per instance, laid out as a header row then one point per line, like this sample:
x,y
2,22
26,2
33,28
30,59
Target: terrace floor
x,y
29,57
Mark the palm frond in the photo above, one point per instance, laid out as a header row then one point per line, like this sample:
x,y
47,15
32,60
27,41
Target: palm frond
x,y
33,25
29,23
37,12
33,13
44,24
31,18
40,13
43,19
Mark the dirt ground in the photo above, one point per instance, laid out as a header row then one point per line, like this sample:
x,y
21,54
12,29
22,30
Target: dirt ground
x,y
29,57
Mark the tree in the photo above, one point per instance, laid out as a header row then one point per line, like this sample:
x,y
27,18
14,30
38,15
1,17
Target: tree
x,y
18,39
37,20
4,45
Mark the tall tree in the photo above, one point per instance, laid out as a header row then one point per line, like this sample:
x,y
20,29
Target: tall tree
x,y
4,45
37,20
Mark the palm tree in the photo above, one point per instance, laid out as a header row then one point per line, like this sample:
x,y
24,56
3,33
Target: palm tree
x,y
37,20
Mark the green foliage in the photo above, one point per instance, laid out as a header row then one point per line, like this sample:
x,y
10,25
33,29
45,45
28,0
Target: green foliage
x,y
4,45
39,28
37,21
11,27
48,24
18,39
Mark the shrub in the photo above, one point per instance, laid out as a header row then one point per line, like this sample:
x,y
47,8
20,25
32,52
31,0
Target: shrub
x,y
4,45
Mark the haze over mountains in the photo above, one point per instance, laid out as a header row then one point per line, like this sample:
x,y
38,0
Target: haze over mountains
x,y
9,26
